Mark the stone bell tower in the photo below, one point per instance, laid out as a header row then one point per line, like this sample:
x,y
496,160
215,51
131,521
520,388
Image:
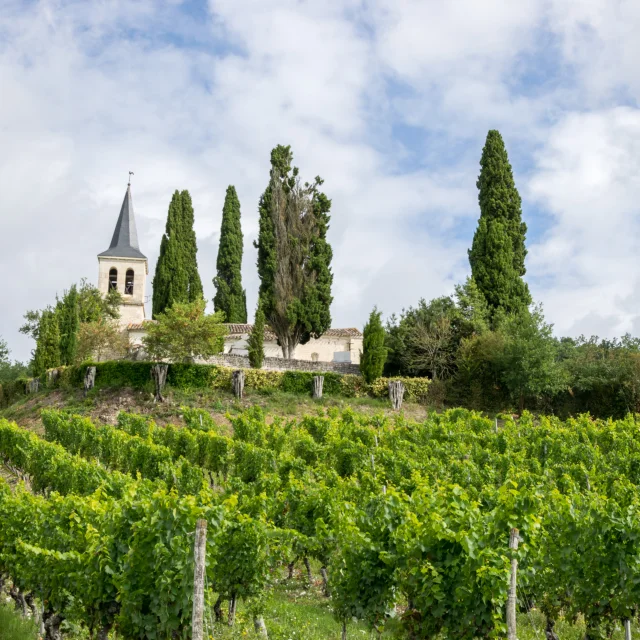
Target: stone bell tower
x,y
124,267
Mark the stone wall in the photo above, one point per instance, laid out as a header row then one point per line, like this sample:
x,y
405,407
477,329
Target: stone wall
x,y
280,364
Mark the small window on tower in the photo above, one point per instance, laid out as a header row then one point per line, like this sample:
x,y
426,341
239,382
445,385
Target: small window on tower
x,y
128,283
113,279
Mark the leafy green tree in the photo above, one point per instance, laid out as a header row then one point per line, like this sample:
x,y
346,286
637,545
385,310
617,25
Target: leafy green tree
x,y
47,353
184,332
230,296
528,361
69,321
100,340
4,352
294,256
374,353
176,279
498,250
256,339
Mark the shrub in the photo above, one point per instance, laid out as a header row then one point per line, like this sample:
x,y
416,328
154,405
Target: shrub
x,y
192,376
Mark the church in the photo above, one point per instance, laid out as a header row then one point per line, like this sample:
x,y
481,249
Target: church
x,y
124,268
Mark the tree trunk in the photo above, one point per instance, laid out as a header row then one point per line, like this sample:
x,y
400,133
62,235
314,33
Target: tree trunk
x,y
318,382
344,630
31,603
52,622
103,634
396,394
52,377
549,632
308,567
89,379
232,610
159,374
238,383
33,385
627,629
290,567
325,582
260,626
18,600
217,609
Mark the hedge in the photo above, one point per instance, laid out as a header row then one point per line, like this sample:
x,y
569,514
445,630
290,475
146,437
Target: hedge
x,y
137,375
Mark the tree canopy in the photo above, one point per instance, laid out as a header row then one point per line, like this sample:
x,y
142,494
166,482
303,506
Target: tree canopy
x,y
176,278
230,297
498,250
294,256
183,333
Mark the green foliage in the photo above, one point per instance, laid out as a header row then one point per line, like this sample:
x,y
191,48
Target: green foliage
x,y
374,353
294,256
230,297
99,340
498,250
69,321
184,332
256,339
176,278
47,354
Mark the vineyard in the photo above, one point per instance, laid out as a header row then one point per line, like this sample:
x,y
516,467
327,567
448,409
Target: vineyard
x,y
404,525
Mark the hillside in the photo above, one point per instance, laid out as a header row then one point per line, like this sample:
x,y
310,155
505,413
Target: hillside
x,y
298,479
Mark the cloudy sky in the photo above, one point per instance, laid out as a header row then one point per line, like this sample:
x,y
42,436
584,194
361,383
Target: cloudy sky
x,y
388,100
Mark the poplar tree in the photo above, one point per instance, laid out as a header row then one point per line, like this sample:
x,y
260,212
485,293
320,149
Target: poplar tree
x,y
256,339
47,353
498,250
294,256
69,321
230,297
176,278
374,353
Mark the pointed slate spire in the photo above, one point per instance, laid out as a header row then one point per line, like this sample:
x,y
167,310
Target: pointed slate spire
x,y
124,243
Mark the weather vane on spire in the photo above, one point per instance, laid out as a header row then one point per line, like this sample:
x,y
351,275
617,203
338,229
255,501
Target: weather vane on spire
x,y
130,174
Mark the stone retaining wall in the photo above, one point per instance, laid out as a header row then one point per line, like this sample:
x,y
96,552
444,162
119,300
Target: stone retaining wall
x,y
280,364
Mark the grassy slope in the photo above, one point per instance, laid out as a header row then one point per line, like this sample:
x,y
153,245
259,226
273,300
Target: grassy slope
x,y
293,610
13,626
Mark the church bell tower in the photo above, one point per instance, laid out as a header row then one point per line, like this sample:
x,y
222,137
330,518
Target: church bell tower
x,y
124,267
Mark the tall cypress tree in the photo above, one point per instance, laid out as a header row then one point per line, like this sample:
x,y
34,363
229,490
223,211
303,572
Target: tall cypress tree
x,y
294,256
190,249
230,296
255,343
47,353
498,250
69,322
374,353
176,278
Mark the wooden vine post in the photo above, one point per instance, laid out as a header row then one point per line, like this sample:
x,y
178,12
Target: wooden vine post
x,y
396,394
238,383
199,553
89,379
159,374
512,599
627,629
318,383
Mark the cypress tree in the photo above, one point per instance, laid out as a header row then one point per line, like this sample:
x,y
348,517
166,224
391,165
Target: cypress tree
x,y
69,321
190,249
230,296
256,339
374,353
47,353
176,278
498,250
294,256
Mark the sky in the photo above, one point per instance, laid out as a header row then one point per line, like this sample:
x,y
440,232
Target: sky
x,y
389,101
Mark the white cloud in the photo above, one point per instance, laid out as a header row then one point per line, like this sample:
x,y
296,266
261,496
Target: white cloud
x,y
92,89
